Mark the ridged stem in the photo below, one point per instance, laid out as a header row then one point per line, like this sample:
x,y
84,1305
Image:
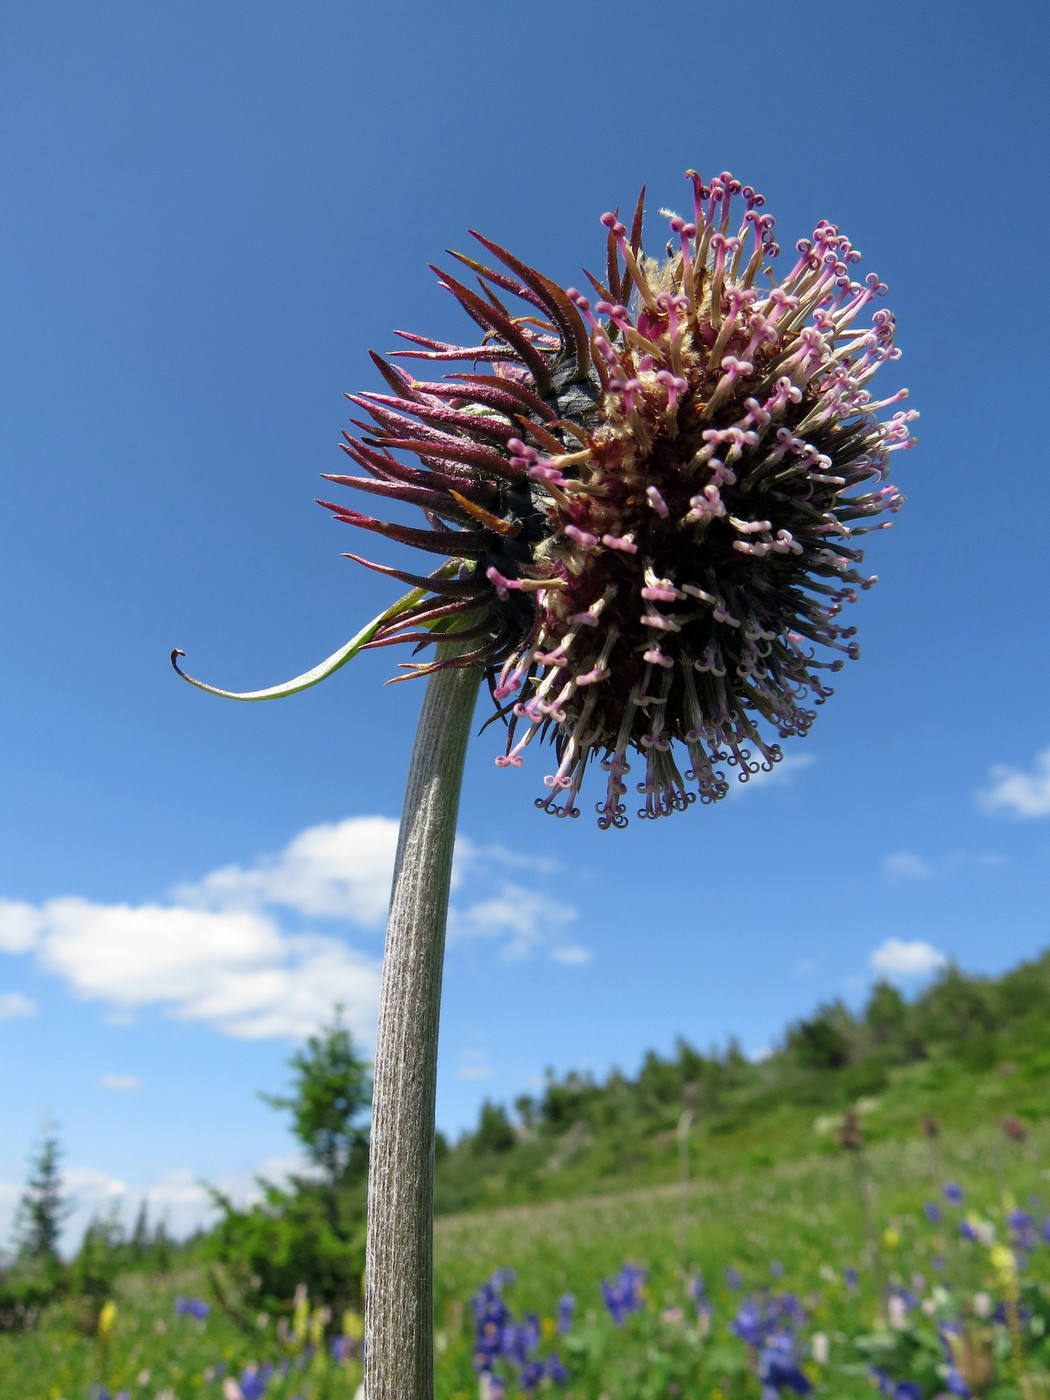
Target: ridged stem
x,y
399,1289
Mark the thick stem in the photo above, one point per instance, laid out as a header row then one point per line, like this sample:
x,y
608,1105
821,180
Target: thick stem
x,y
399,1306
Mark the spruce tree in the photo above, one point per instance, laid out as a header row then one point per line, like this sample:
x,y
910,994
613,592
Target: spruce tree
x,y
43,1207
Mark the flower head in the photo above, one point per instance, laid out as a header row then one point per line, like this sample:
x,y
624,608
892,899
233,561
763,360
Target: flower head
x,y
650,504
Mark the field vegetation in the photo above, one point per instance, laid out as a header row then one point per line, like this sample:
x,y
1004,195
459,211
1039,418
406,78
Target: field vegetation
x,y
861,1213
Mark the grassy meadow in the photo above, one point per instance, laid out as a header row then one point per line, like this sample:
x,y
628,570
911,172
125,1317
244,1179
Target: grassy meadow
x,y
796,1228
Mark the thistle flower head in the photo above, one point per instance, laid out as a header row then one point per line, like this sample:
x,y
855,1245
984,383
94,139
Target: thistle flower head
x,y
650,499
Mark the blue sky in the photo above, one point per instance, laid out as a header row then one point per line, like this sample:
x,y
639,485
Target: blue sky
x,y
211,212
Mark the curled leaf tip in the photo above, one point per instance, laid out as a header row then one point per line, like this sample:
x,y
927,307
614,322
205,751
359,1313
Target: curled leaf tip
x,y
317,673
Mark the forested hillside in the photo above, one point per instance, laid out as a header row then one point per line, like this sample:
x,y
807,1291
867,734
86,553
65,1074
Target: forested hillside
x,y
963,1052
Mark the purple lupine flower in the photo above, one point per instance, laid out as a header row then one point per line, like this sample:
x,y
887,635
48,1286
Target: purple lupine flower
x,y
254,1380
776,1268
491,1318
956,1384
933,1212
566,1307
734,1279
516,1342
896,1390
555,1370
643,499
778,1367
967,1231
531,1375
1024,1230
750,1322
191,1307
953,1192
850,1279
623,1293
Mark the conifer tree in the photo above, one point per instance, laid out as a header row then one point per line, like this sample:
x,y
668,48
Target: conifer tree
x,y
43,1206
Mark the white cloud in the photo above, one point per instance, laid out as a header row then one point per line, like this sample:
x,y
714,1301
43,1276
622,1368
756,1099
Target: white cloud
x,y
780,774
120,1083
338,870
474,1064
14,1004
233,969
218,952
1017,793
900,866
177,1197
20,927
895,956
469,854
523,919
906,865
572,955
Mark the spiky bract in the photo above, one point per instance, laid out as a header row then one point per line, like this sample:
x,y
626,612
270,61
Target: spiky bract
x,y
652,503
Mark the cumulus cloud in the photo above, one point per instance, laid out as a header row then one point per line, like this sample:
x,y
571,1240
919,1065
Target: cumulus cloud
x,y
338,870
120,1083
1018,793
14,1004
895,957
780,774
902,866
235,950
20,926
233,969
906,865
523,920
572,955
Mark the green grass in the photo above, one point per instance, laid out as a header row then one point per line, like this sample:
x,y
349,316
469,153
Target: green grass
x,y
803,1212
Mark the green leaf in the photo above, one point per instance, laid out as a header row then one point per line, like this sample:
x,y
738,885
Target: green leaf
x,y
318,673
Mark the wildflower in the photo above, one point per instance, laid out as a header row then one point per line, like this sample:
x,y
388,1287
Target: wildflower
x,y
107,1319
623,1293
651,508
932,1212
953,1192
734,1278
556,1371
566,1306
778,1368
970,1358
895,1389
897,1310
192,1307
254,1380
